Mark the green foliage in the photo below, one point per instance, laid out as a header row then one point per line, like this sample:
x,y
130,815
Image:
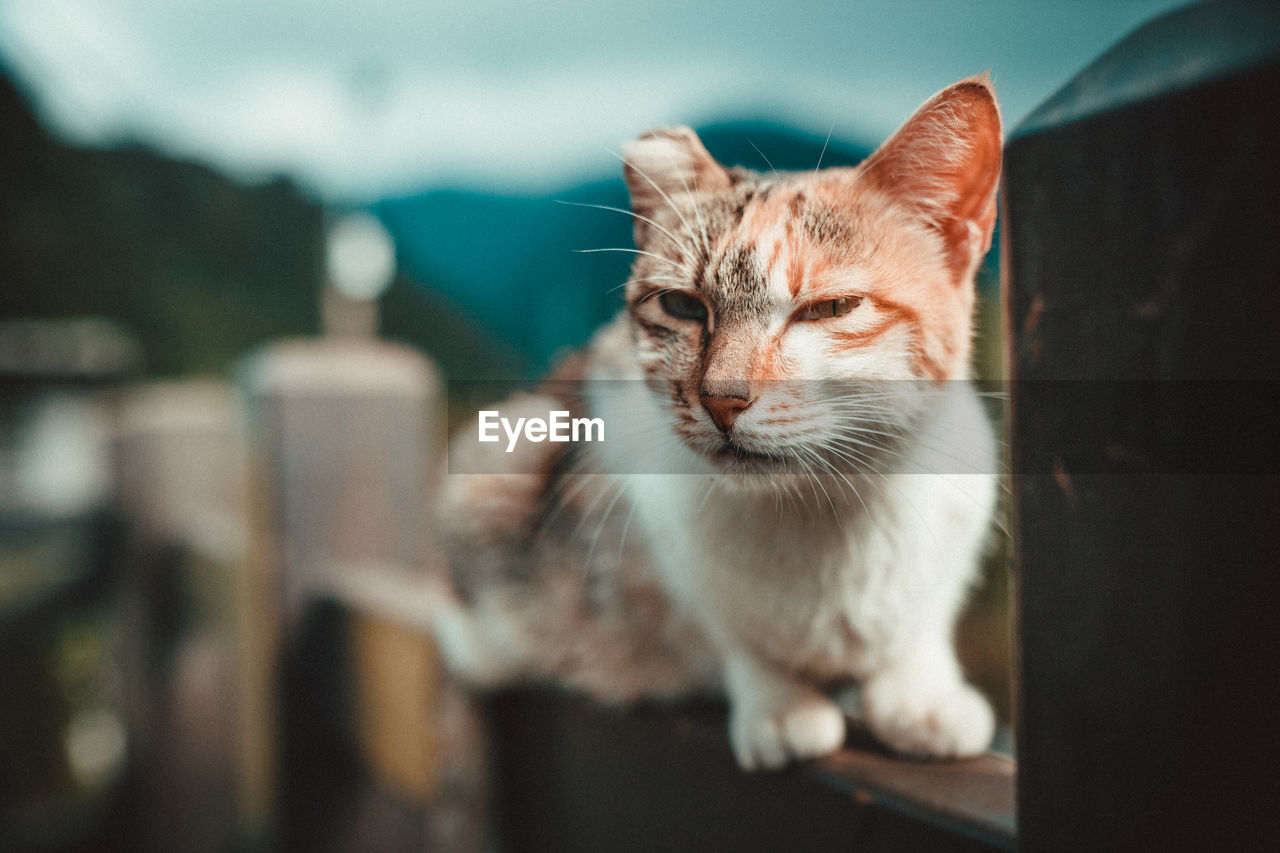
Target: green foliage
x,y
197,267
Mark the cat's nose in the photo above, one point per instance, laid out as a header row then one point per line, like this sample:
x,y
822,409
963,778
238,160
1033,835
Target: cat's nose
x,y
724,408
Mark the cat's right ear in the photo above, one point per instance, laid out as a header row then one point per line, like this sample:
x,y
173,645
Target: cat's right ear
x,y
665,165
944,163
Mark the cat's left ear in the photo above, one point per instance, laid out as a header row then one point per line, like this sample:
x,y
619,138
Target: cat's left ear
x,y
945,163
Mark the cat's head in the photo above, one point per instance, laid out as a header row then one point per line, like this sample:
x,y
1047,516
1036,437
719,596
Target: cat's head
x,y
757,297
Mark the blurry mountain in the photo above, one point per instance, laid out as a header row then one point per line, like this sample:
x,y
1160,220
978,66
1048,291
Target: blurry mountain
x,y
199,268
516,262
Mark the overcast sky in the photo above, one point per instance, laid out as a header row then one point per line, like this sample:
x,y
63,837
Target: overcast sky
x,y
382,97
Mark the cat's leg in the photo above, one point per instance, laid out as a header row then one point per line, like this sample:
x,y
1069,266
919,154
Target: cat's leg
x,y
915,698
919,704
487,505
774,719
478,645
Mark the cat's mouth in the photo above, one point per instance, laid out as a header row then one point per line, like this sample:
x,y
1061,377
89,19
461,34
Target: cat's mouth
x,y
735,457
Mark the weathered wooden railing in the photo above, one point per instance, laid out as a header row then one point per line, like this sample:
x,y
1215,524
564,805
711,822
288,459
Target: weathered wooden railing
x,y
1139,210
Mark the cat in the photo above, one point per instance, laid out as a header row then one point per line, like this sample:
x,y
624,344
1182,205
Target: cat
x,y
773,328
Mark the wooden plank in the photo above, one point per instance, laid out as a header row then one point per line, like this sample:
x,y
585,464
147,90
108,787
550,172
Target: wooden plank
x,y
572,775
974,797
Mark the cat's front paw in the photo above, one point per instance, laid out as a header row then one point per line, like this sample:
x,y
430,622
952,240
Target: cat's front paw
x,y
767,735
921,721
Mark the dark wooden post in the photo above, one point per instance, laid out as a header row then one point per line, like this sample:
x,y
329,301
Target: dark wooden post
x,y
1142,289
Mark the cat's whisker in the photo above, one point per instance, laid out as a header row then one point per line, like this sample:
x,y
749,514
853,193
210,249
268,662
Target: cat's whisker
x,y
876,479
947,477
862,466
776,176
825,143
697,212
604,519
856,438
684,247
647,280
955,452
711,486
558,496
626,526
855,454
831,468
561,502
809,478
653,255
666,198
822,482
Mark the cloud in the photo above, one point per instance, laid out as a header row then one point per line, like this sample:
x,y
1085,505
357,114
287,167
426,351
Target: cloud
x,y
465,127
83,60
385,96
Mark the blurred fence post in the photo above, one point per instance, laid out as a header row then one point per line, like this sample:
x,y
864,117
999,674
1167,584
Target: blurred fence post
x,y
342,442
180,483
1139,231
344,434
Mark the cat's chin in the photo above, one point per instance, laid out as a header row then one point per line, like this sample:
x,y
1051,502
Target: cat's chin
x,y
746,470
732,458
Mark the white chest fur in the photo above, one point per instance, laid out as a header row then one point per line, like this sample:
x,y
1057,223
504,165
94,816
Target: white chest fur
x,y
829,579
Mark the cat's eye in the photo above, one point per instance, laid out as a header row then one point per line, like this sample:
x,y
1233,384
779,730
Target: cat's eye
x,y
683,306
829,308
